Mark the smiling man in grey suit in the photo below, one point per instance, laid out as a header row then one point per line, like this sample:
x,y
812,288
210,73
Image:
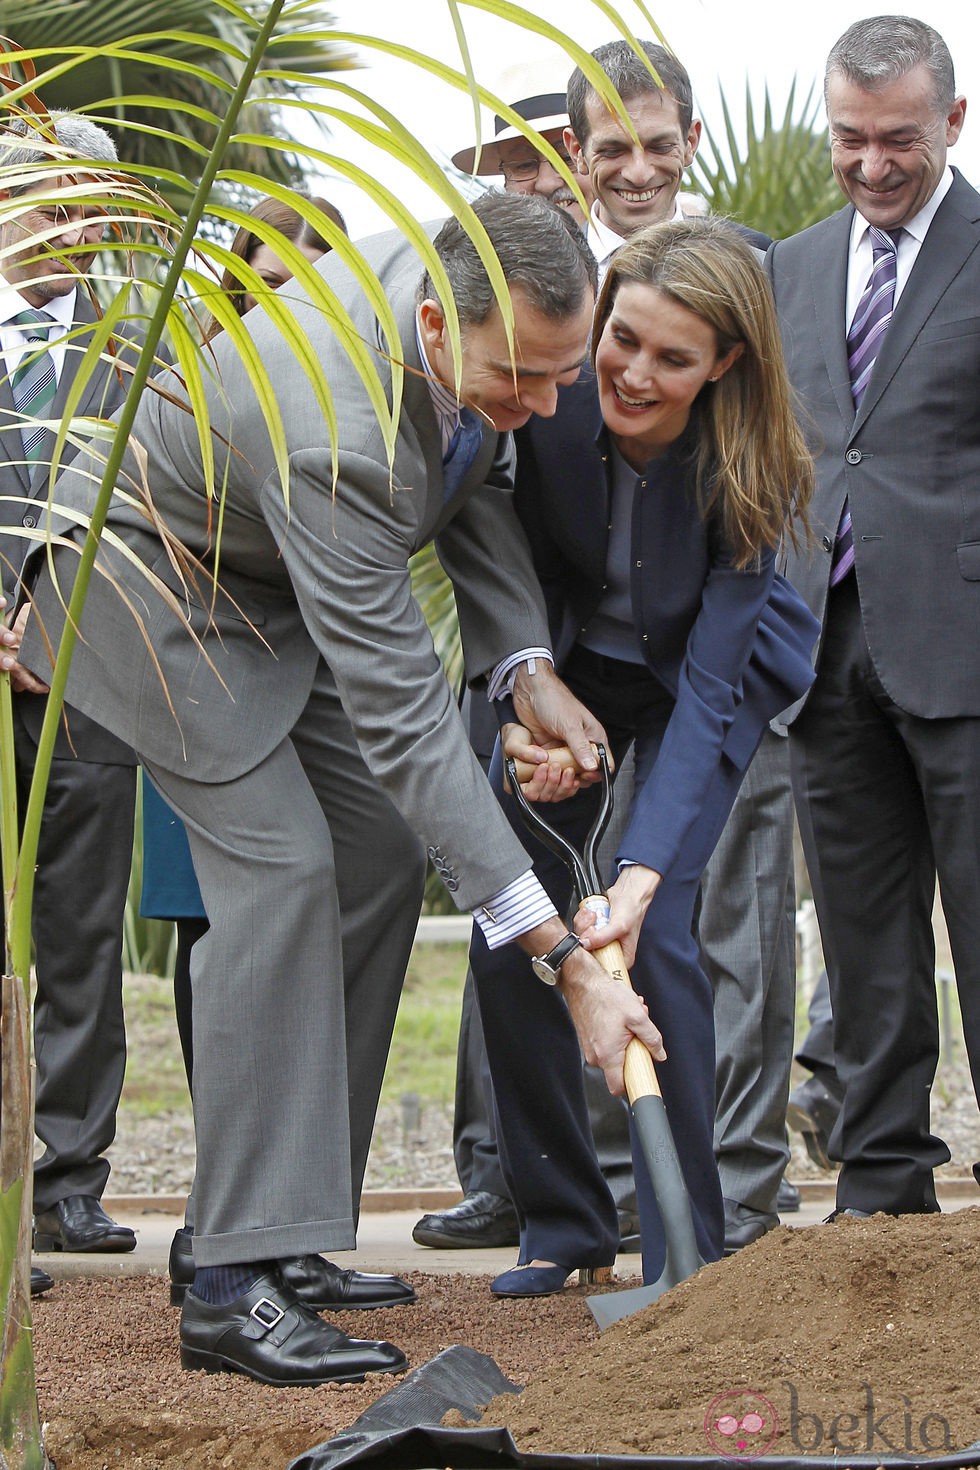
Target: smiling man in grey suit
x,y
878,307
46,321
332,754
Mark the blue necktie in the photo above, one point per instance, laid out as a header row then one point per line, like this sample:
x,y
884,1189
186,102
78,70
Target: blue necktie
x,y
871,319
34,384
463,449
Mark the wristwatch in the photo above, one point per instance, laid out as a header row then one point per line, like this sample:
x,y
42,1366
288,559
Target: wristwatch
x,y
546,967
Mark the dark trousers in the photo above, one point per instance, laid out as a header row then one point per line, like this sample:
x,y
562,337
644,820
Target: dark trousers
x,y
566,1210
887,801
83,867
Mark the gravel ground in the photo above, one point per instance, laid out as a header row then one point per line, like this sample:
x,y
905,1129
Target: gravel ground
x,y
412,1147
156,1155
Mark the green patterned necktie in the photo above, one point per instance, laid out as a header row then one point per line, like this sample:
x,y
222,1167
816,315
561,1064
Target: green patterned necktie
x,y
34,383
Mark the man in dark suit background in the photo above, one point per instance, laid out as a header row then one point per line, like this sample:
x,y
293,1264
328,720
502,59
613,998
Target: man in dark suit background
x,y
878,307
87,833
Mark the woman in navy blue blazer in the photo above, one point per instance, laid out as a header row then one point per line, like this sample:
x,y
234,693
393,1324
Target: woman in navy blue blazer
x,y
654,501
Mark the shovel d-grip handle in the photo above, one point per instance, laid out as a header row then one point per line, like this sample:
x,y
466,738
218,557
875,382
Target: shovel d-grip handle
x,y
562,755
582,866
639,1073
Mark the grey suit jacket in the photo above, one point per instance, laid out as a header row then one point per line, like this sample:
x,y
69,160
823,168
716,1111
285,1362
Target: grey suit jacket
x,y
908,462
25,494
315,576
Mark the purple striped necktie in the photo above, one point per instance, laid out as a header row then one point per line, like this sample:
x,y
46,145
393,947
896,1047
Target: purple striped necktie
x,y
34,384
871,319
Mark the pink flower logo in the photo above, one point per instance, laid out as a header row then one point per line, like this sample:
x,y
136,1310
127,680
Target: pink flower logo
x,y
741,1424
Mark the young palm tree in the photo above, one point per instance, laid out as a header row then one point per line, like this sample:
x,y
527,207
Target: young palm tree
x,y
779,179
221,54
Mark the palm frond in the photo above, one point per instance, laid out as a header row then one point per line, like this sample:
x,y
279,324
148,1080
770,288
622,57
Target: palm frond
x,y
772,175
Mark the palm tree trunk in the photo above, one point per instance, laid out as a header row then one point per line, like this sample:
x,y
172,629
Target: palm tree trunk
x,y
20,1429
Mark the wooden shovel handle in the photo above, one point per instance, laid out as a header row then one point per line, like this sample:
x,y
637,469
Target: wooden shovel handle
x,y
564,757
639,1073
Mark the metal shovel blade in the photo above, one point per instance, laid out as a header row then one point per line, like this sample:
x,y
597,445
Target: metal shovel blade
x,y
673,1200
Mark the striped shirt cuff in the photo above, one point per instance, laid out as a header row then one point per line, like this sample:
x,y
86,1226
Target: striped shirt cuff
x,y
521,906
501,681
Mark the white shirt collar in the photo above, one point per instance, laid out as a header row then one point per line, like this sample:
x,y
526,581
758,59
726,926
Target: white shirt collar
x,y
604,242
62,308
918,225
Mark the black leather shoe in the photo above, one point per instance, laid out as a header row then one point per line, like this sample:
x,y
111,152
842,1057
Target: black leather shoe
x,y
787,1198
629,1233
812,1110
79,1223
268,1334
329,1288
318,1283
744,1226
181,1264
40,1281
480,1219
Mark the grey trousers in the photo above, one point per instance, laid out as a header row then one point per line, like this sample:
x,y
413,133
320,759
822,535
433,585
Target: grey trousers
x,y
313,885
748,945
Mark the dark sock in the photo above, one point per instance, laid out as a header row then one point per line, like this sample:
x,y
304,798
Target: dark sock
x,y
221,1285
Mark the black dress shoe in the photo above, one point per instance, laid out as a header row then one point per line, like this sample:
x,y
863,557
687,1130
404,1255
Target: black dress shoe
x,y
787,1198
744,1226
480,1219
329,1288
268,1334
79,1223
629,1233
40,1281
813,1110
318,1283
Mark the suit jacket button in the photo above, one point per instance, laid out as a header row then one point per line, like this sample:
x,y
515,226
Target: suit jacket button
x,y
30,522
854,456
827,543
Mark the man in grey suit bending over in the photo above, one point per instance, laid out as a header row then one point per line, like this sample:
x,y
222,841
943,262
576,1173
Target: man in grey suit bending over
x,y
878,307
331,754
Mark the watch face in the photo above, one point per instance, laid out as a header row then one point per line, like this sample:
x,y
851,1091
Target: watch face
x,y
544,971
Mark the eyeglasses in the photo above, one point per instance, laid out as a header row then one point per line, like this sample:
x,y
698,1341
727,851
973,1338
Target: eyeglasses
x,y
523,170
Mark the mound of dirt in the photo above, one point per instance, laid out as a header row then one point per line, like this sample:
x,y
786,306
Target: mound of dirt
x,y
853,1338
859,1337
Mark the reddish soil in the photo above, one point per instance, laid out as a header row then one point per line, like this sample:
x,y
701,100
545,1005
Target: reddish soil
x,y
861,1336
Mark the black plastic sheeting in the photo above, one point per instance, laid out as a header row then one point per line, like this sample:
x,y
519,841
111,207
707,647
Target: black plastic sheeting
x,y
400,1431
425,1448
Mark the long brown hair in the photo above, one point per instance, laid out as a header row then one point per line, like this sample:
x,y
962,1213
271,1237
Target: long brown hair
x,y
753,469
291,225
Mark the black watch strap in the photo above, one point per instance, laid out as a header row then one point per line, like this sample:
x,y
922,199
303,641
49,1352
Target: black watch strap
x,y
546,967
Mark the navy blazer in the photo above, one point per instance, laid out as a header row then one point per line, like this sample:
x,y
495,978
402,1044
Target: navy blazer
x,y
733,647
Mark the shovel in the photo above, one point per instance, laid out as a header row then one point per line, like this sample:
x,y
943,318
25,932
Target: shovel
x,y
639,1073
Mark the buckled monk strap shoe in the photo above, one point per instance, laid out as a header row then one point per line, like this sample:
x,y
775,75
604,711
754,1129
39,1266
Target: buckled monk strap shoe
x,y
79,1223
268,1334
319,1284
40,1281
481,1219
